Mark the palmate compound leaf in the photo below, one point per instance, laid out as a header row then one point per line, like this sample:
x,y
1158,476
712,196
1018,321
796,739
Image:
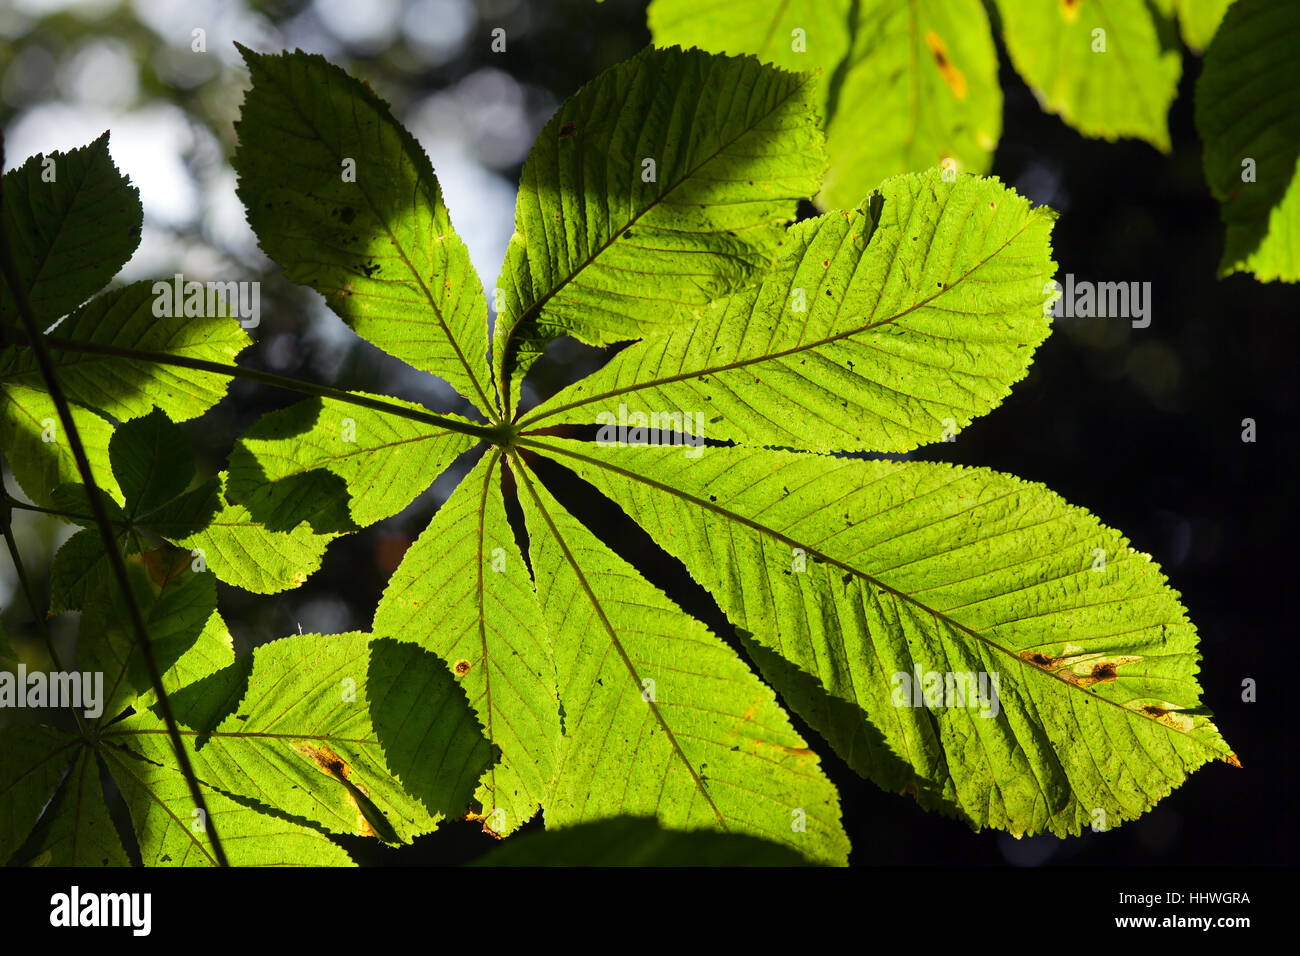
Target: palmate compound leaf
x,y
361,736
464,593
857,572
1110,68
862,337
660,185
72,221
1248,115
343,198
660,716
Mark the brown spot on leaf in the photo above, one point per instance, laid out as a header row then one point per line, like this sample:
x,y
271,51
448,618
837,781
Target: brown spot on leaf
x,y
1232,759
1078,667
462,667
1104,671
472,817
568,130
954,77
1169,716
1070,10
325,758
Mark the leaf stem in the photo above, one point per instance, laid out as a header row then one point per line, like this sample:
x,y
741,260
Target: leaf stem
x,y
489,433
24,506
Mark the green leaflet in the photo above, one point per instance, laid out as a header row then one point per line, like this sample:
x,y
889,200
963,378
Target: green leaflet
x,y
125,388
79,561
919,90
345,200
152,458
1110,68
1200,19
663,183
905,87
322,727
858,571
72,221
211,651
661,717
152,461
636,841
1248,115
36,759
177,603
464,593
860,338
240,550
372,464
38,451
80,831
796,35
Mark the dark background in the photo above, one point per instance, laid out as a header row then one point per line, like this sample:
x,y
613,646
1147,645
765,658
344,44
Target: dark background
x,y
1141,426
